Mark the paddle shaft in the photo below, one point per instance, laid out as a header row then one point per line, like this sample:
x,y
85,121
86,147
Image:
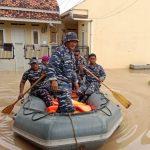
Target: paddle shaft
x,y
29,88
92,74
118,96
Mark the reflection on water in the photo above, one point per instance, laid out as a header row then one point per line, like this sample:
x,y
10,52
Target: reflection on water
x,y
133,133
6,135
7,139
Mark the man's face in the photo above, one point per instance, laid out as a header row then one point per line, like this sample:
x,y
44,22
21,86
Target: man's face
x,y
77,55
45,62
34,66
71,45
92,60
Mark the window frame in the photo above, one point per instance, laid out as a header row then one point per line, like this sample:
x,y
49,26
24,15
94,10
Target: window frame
x,y
3,35
33,36
83,38
4,41
56,38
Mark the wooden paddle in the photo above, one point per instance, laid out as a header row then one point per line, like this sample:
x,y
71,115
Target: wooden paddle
x,y
126,103
9,108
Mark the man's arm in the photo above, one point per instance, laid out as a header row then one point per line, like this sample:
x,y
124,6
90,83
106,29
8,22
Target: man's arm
x,y
102,74
22,84
75,81
56,60
51,75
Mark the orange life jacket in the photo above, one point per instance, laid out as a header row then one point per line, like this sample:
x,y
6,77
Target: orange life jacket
x,y
81,106
53,108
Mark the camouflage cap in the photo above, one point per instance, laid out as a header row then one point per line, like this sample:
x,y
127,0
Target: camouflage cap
x,y
70,36
33,60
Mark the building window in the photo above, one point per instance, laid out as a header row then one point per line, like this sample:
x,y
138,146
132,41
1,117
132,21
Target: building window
x,y
1,37
35,37
83,38
53,37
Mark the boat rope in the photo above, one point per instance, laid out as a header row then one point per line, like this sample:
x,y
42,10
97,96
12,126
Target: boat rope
x,y
27,110
109,113
34,112
104,106
74,133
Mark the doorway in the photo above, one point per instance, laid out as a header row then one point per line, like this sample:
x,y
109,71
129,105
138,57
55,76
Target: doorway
x,y
18,40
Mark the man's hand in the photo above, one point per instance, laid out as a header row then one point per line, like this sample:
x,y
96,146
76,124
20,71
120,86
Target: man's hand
x,y
20,95
81,67
54,85
76,86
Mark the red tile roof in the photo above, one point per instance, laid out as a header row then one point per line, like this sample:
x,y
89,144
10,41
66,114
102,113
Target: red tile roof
x,y
32,4
29,15
47,10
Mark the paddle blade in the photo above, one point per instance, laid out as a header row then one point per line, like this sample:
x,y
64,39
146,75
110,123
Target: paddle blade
x,y
126,103
8,109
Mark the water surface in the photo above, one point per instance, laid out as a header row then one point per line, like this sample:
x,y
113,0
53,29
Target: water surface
x,y
133,133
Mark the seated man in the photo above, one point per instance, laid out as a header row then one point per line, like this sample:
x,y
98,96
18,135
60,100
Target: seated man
x,y
79,61
42,88
45,61
91,84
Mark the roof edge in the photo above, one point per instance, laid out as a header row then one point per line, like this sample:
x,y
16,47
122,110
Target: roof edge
x,y
29,20
28,9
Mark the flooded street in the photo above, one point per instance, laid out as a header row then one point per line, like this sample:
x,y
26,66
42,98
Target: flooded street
x,y
133,133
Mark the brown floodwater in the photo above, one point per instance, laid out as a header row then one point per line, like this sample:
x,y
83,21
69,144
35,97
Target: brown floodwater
x,y
134,131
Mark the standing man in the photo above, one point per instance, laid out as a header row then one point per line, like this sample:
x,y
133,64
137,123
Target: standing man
x,y
91,84
79,61
63,62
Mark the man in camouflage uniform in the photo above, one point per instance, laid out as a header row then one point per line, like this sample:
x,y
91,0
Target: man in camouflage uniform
x,y
41,89
79,61
63,62
91,84
45,61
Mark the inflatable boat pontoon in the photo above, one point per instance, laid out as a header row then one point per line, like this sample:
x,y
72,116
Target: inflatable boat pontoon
x,y
67,131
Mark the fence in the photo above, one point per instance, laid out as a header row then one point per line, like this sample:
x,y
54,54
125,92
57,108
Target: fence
x,y
7,51
36,51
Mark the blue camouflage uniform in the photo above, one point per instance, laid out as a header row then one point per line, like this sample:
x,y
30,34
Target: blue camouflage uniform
x,y
91,84
43,66
41,89
80,73
63,62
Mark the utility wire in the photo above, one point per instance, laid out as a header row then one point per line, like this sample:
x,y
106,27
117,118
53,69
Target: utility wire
x,y
116,11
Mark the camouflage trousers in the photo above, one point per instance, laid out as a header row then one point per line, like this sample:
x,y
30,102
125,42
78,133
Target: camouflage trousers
x,y
43,93
64,97
65,101
87,89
